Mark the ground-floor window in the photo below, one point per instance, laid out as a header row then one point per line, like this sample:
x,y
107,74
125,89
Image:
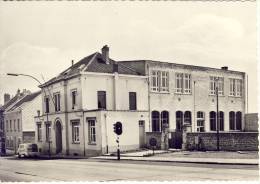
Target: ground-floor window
x,y
75,131
235,120
200,121
187,117
155,121
48,132
165,119
212,120
221,121
39,132
92,131
179,120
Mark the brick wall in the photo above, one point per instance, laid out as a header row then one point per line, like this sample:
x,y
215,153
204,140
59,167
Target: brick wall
x,y
157,136
232,141
251,122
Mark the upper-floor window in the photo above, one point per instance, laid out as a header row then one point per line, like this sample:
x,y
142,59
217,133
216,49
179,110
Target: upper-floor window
x,y
101,99
18,125
57,101
6,125
74,98
235,120
183,83
48,132
47,104
235,87
10,125
216,83
159,81
132,100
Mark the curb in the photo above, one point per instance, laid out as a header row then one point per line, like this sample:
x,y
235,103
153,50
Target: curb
x,y
176,161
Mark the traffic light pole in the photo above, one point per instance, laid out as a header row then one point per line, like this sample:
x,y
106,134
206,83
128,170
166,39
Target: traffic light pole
x,y
118,149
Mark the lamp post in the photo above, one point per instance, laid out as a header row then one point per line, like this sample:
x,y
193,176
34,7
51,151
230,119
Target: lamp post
x,y
16,75
216,80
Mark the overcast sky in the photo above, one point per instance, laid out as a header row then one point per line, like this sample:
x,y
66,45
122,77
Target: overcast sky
x,y
41,38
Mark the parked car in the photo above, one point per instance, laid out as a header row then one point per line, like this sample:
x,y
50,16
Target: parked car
x,y
28,150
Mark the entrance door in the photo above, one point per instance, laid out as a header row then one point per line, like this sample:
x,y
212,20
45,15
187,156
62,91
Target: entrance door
x,y
141,134
58,132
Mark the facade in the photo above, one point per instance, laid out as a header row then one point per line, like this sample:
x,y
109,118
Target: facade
x,y
19,120
251,122
186,95
82,103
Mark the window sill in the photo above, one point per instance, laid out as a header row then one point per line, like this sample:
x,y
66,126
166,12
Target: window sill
x,y
176,93
94,144
216,95
234,96
75,143
160,92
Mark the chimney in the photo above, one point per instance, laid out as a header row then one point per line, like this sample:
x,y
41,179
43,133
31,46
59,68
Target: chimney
x,y
18,91
115,67
105,54
224,68
72,62
7,97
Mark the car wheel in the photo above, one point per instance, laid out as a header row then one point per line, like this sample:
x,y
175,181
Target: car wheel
x,y
19,156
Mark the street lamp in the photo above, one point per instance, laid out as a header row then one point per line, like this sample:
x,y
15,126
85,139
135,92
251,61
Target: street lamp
x,y
15,75
216,80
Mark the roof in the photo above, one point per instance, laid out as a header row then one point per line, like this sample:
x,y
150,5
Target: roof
x,y
141,68
10,102
26,98
93,63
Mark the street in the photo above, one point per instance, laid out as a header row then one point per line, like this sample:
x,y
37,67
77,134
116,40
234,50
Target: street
x,y
14,169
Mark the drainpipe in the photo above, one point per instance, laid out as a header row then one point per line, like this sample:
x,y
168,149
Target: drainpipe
x,y
66,117
149,103
83,132
106,132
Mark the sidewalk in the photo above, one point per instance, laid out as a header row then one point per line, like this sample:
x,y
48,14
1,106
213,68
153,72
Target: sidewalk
x,y
239,158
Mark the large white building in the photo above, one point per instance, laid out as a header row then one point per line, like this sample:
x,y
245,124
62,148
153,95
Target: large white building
x,y
82,103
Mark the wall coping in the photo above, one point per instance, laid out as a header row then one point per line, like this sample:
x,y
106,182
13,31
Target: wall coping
x,y
222,132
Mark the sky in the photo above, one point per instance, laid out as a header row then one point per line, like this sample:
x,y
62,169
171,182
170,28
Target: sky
x,y
41,38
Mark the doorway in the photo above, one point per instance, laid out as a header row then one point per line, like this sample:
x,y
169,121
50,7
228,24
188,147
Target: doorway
x,y
58,132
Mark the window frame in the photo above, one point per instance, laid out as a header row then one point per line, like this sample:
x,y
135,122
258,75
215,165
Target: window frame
x,y
47,104
39,132
101,95
75,133
132,101
92,133
57,98
74,95
156,121
200,121
48,132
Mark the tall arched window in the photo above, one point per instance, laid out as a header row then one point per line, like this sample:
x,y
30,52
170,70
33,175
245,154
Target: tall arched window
x,y
155,121
212,120
187,117
221,120
179,120
232,120
238,120
165,119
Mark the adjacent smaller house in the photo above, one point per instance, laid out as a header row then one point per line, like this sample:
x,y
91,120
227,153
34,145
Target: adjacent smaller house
x,y
19,120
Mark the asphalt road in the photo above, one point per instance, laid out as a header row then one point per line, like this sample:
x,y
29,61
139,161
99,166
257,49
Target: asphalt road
x,y
13,169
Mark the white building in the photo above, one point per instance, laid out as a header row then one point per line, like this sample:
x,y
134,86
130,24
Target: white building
x,y
82,103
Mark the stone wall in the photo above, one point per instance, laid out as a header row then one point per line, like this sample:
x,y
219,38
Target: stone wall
x,y
230,141
157,136
251,122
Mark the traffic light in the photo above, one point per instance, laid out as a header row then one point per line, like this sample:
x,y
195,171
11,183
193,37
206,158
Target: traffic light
x,y
118,128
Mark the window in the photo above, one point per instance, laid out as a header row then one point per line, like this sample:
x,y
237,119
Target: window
x,y
165,119
48,132
92,131
212,120
187,117
11,126
57,101
39,132
235,87
155,121
238,121
232,120
6,125
213,84
47,108
73,98
159,81
18,125
155,81
75,132
183,83
235,120
101,100
132,100
164,81
179,120
14,125
221,121
200,121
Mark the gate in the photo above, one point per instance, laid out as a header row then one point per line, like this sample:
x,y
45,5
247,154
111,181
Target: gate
x,y
176,140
